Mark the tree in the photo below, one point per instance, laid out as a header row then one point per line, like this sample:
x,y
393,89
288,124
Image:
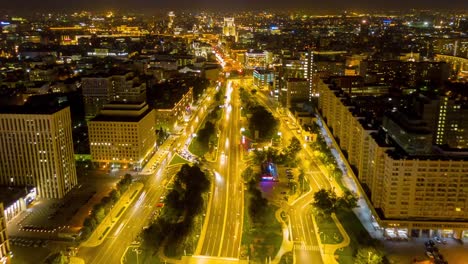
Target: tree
x,y
347,200
327,202
114,195
248,174
258,206
57,258
263,122
368,255
294,147
324,201
204,135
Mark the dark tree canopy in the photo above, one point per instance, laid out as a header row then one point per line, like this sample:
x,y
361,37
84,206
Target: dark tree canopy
x,y
263,122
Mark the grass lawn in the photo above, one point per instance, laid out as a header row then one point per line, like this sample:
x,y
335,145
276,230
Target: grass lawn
x,y
265,240
345,255
287,258
144,256
356,232
329,233
177,159
195,148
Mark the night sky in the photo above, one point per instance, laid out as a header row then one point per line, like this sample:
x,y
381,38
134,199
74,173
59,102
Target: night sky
x,y
317,5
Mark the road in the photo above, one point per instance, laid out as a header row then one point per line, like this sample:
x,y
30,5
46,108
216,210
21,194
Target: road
x,y
306,246
139,213
224,233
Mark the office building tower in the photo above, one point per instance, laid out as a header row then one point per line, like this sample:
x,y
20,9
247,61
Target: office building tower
x,y
296,91
122,135
170,23
102,88
36,149
229,27
452,123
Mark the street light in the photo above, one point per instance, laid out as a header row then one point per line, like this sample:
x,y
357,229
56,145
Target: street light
x,y
137,252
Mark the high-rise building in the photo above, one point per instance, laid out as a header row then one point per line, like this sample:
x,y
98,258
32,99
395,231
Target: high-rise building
x,y
102,88
229,27
36,149
122,135
170,23
4,244
263,78
452,123
297,91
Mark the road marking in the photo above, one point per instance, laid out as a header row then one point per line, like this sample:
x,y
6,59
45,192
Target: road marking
x,y
304,247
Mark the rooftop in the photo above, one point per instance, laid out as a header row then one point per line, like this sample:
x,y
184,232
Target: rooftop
x,y
37,105
9,195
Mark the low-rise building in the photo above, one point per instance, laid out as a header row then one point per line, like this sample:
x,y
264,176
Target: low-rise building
x,y
4,244
16,200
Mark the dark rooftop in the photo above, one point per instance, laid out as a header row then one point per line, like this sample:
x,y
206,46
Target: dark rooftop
x,y
41,104
9,195
121,118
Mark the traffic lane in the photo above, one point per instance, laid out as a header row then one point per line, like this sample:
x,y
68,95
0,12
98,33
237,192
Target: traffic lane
x,y
113,252
139,217
212,246
233,226
209,247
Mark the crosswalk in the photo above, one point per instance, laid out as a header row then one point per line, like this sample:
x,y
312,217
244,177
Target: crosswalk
x,y
304,247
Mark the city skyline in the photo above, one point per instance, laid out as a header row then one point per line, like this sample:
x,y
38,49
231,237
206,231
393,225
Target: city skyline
x,y
233,137
244,5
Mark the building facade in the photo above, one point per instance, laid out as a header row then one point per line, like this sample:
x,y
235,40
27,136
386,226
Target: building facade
x,y
100,89
122,135
4,244
263,78
172,117
297,91
36,149
423,194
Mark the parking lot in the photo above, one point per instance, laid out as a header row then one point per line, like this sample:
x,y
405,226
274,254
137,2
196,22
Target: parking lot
x,y
46,218
415,249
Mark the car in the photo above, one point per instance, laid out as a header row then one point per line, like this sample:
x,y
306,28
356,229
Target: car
x,y
431,242
161,202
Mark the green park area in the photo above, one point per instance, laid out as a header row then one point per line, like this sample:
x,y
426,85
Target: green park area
x,y
140,255
261,236
175,230
177,159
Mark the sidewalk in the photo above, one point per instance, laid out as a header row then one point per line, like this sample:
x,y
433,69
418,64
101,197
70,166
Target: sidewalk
x,y
286,245
363,211
328,250
102,230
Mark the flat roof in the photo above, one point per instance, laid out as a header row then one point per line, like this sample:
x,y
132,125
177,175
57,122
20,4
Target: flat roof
x,y
36,105
120,118
9,195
